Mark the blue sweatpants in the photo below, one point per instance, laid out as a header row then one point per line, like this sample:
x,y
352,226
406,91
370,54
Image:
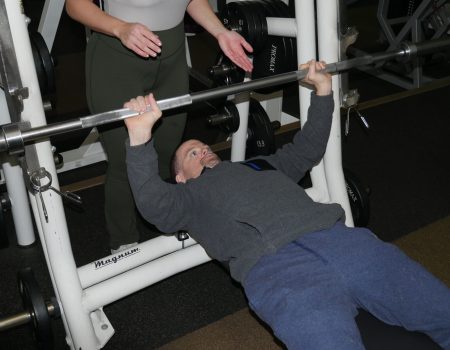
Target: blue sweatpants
x,y
309,291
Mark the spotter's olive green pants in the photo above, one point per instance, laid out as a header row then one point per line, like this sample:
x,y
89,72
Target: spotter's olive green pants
x,y
115,74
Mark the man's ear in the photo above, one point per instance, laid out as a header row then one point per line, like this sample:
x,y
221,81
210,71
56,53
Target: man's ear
x,y
180,178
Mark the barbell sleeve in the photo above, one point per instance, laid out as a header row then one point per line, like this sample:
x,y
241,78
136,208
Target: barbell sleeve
x,y
405,51
25,317
16,320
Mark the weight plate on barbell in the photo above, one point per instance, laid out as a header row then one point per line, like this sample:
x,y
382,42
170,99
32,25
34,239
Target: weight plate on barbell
x,y
34,303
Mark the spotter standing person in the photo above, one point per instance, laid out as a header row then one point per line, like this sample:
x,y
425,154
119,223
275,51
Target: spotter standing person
x,y
137,47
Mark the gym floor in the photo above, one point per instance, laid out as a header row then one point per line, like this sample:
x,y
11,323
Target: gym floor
x,y
403,159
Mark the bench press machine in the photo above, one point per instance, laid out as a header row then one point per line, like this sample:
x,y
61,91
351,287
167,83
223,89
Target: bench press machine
x,y
81,292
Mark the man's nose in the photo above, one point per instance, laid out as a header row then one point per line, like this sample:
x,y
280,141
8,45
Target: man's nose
x,y
204,152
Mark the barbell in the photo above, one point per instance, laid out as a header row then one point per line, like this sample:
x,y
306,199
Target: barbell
x,y
14,136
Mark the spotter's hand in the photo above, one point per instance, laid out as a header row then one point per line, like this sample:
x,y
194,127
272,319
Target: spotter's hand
x,y
138,38
235,47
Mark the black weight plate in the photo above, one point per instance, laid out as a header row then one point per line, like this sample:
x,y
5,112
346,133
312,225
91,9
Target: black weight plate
x,y
268,9
230,110
34,303
260,60
261,140
46,61
261,15
359,199
5,204
245,7
291,43
4,241
257,31
281,11
225,17
235,12
40,72
272,59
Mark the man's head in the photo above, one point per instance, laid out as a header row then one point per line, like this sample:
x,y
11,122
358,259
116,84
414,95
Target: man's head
x,y
191,158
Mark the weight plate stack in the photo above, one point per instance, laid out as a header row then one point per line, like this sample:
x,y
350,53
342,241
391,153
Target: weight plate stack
x,y
279,53
245,18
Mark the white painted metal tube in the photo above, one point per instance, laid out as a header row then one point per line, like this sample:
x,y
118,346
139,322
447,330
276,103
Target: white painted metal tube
x,y
79,331
143,276
112,265
327,27
281,26
306,50
15,186
20,207
239,138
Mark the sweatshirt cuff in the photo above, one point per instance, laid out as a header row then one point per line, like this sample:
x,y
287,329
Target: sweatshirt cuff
x,y
324,97
144,153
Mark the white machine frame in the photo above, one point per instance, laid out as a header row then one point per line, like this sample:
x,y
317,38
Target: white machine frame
x,y
82,292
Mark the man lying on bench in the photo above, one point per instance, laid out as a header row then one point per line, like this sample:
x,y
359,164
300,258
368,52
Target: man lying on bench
x,y
304,272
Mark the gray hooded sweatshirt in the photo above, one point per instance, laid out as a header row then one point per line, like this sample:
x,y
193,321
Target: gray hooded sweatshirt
x,y
238,214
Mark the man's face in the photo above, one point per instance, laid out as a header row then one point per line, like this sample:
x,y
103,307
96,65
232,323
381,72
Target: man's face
x,y
192,157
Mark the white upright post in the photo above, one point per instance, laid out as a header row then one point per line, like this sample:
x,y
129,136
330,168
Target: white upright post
x,y
328,39
239,138
53,233
306,50
15,186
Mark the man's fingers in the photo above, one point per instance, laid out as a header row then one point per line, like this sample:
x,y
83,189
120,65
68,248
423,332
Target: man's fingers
x,y
141,104
154,104
302,66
